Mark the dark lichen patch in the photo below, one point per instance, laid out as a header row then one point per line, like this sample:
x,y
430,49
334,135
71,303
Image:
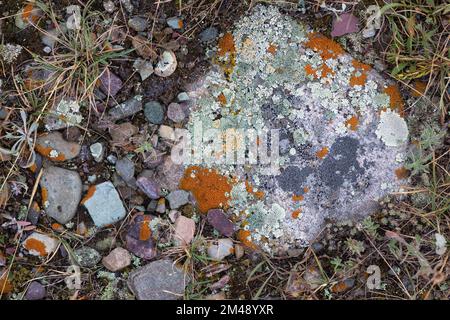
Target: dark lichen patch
x,y
341,163
292,179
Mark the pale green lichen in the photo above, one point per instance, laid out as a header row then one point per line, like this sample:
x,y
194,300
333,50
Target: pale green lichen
x,y
10,52
392,129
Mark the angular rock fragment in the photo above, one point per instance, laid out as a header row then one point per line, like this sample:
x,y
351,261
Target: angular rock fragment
x,y
223,248
61,193
110,84
39,244
184,230
140,238
54,147
158,280
177,198
87,257
126,109
149,187
138,24
220,222
117,260
104,204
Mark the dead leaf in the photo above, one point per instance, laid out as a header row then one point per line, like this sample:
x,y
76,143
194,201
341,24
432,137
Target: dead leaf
x,y
144,48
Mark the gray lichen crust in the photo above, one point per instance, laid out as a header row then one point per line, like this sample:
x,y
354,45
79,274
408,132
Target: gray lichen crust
x,y
340,141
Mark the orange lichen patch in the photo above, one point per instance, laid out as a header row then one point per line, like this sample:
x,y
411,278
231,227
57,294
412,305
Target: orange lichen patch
x,y
359,76
310,71
33,168
244,237
36,245
5,284
89,194
298,197
227,54
57,227
418,88
324,71
35,206
305,189
44,195
222,99
395,99
296,213
327,48
180,24
210,189
226,44
258,194
402,173
322,152
27,10
352,123
340,287
46,151
272,49
145,232
29,13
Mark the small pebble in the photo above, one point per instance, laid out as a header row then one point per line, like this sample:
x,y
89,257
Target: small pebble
x,y
109,6
138,24
144,68
117,259
97,151
222,249
177,198
183,97
175,112
125,169
167,64
175,23
36,291
87,257
154,112
166,132
148,186
208,34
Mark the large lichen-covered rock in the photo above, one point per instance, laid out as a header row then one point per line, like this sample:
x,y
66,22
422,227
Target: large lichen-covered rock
x,y
341,132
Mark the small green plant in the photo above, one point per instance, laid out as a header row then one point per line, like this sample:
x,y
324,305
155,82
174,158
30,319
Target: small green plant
x,y
370,227
419,158
23,138
337,264
418,42
355,246
79,56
